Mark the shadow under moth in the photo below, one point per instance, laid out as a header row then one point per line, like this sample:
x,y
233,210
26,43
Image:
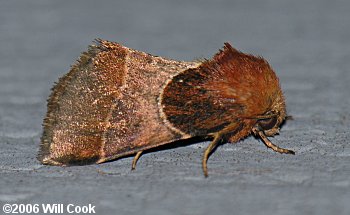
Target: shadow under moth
x,y
116,101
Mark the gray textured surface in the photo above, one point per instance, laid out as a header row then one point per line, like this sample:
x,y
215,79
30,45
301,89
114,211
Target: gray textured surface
x,y
306,42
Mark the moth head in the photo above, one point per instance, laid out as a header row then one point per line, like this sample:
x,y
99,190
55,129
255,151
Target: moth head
x,y
270,122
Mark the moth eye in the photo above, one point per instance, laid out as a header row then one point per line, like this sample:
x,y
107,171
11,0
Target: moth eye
x,y
267,124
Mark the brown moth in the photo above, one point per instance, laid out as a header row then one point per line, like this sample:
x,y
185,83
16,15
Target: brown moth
x,y
116,101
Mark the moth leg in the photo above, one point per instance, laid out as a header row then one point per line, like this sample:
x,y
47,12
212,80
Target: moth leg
x,y
272,146
134,161
207,151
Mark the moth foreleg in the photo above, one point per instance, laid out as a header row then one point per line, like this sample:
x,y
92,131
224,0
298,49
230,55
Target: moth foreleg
x,y
272,146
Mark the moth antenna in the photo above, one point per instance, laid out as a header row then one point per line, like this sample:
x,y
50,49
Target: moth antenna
x,y
134,161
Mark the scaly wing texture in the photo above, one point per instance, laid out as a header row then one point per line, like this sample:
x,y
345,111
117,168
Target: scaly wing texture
x,y
107,106
221,91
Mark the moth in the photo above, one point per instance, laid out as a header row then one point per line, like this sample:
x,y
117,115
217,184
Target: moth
x,y
116,101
